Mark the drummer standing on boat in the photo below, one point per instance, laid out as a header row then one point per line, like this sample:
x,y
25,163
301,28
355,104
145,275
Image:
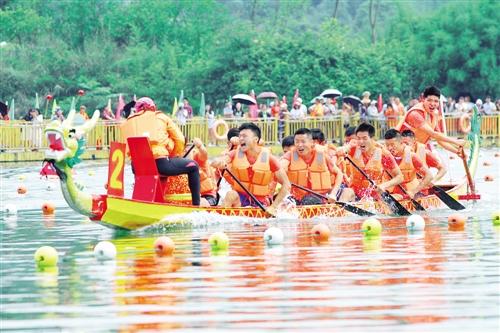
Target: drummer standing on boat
x,y
423,119
255,167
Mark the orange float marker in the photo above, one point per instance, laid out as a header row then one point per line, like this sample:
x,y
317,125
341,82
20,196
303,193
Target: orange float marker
x,y
488,178
321,233
456,221
48,208
21,189
164,246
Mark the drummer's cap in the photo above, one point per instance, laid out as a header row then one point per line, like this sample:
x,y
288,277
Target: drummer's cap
x,y
432,91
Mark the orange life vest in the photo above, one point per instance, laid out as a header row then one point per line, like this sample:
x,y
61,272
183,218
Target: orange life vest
x,y
373,168
258,183
314,176
420,135
408,170
207,177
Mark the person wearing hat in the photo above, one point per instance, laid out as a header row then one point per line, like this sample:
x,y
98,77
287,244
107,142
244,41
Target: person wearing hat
x,y
83,112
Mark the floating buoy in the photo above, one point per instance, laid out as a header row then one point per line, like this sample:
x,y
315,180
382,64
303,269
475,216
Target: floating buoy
x,y
105,250
273,236
456,221
50,187
497,154
46,256
21,189
496,217
488,178
218,241
21,177
48,208
486,163
10,209
371,227
415,222
91,173
321,232
164,246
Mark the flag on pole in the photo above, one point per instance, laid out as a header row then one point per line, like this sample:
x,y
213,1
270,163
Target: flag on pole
x,y
54,106
135,98
380,103
295,96
109,106
181,97
73,104
37,102
174,109
12,111
119,107
202,105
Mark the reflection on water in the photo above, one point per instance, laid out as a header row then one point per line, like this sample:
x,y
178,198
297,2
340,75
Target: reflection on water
x,y
431,280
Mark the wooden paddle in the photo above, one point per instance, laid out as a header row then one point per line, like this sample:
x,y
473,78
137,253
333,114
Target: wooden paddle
x,y
346,206
415,203
393,204
248,192
447,199
467,172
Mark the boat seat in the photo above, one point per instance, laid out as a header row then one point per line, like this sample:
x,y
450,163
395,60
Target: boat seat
x,y
148,181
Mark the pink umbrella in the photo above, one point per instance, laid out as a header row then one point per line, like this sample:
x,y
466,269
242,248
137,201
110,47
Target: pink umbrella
x,y
267,95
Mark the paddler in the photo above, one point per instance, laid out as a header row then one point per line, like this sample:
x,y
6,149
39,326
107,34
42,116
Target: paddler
x,y
168,147
423,119
208,185
373,160
409,164
429,159
254,166
309,165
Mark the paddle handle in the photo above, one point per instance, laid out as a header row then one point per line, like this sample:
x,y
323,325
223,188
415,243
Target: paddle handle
x,y
467,172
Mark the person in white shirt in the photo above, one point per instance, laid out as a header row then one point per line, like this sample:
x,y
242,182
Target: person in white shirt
x,y
489,107
296,112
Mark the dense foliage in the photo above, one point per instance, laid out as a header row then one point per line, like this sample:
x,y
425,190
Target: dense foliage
x,y
157,48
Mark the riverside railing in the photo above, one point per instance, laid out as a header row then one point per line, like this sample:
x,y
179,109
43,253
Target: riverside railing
x,y
19,136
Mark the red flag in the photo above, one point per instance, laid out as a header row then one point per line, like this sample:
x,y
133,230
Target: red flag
x,y
380,103
253,110
295,96
119,107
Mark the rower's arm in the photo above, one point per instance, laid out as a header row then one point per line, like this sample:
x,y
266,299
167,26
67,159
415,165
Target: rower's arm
x,y
449,147
221,162
397,178
339,176
281,178
439,166
441,138
423,183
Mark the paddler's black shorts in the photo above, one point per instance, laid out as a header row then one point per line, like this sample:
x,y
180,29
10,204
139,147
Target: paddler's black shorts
x,y
212,201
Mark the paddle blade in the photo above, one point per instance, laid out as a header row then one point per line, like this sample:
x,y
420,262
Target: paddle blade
x,y
354,209
447,199
394,205
417,205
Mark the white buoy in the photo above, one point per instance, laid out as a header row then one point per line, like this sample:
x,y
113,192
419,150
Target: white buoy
x,y
415,222
10,209
274,236
105,250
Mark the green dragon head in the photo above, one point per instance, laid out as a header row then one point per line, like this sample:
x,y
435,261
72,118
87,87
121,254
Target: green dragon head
x,y
65,140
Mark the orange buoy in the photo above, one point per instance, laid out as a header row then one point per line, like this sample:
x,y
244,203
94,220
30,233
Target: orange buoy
x,y
21,189
164,246
486,163
321,233
48,208
488,178
456,221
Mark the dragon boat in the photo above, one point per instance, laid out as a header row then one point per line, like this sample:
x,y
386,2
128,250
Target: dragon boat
x,y
147,205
